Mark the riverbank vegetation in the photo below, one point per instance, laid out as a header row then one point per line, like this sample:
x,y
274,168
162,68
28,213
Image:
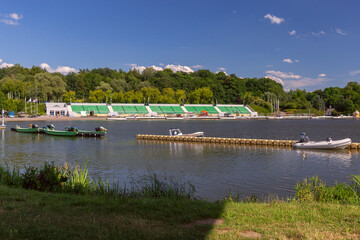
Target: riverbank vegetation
x,y
50,202
117,86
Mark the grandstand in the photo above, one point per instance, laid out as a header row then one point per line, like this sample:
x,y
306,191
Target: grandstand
x,y
234,109
95,108
199,108
130,109
166,109
102,109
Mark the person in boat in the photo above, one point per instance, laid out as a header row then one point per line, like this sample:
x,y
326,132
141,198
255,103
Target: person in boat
x,y
73,129
329,139
304,138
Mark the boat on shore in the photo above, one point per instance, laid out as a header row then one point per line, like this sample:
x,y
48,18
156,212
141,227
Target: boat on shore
x,y
305,143
176,132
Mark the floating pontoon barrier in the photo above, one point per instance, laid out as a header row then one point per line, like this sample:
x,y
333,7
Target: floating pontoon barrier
x,y
263,142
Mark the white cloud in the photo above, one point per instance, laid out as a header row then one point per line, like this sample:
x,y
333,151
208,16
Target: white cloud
x,y
131,64
15,16
197,66
292,33
140,69
339,31
9,22
355,72
304,82
5,65
276,79
292,81
297,61
60,69
283,75
179,68
273,19
318,33
222,70
12,18
287,60
156,68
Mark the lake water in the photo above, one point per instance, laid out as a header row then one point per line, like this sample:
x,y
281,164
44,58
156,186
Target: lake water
x,y
214,169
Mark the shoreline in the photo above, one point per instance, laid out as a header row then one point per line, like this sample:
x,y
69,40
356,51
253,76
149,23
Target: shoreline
x,y
52,119
103,118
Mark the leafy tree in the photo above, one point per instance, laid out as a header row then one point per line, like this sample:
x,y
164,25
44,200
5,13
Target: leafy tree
x,y
97,96
104,86
69,96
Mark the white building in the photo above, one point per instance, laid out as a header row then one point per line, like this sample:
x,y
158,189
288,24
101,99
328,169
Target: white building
x,y
57,109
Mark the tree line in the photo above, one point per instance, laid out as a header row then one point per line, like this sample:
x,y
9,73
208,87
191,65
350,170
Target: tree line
x,y
104,85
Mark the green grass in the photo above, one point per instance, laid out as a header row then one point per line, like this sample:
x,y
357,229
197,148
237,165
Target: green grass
x,y
29,214
63,203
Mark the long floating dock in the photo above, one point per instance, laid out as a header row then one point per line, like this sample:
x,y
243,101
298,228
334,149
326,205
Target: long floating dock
x,y
238,141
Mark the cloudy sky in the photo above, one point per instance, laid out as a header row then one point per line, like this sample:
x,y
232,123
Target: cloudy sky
x,y
303,44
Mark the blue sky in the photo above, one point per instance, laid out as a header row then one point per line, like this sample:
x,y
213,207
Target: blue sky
x,y
300,43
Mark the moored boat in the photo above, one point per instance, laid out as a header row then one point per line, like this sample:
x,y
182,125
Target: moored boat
x,y
305,143
33,128
99,132
50,129
177,132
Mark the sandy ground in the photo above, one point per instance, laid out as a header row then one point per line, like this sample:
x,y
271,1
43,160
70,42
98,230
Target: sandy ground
x,y
46,118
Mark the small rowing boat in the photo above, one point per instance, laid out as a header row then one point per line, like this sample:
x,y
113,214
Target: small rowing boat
x,y
33,128
177,132
69,132
99,132
305,143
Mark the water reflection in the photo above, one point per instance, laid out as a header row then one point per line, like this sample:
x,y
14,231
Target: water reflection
x,y
214,169
336,157
2,143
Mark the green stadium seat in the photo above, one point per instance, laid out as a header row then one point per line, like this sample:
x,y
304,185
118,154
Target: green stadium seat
x,y
141,109
130,109
103,109
77,108
118,109
177,109
156,109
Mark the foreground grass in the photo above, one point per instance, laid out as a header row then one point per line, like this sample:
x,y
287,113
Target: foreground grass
x,y
28,214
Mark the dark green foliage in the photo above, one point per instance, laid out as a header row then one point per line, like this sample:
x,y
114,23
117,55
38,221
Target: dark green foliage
x,y
51,178
48,178
18,82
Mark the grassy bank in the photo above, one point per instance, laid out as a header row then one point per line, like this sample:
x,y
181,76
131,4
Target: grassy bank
x,y
29,214
52,202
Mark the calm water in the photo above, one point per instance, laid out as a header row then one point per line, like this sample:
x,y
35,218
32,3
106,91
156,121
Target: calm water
x,y
213,169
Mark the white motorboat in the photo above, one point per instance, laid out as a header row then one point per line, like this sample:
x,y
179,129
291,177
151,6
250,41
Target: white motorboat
x,y
177,132
304,142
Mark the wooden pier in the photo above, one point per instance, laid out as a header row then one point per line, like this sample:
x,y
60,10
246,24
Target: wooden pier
x,y
238,141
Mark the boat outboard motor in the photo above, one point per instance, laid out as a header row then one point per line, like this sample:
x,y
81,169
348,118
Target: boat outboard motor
x,y
35,126
50,126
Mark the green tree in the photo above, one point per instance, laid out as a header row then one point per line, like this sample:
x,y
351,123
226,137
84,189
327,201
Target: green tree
x,y
97,96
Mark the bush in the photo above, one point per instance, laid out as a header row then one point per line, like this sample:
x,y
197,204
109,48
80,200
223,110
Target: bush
x,y
313,189
49,178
